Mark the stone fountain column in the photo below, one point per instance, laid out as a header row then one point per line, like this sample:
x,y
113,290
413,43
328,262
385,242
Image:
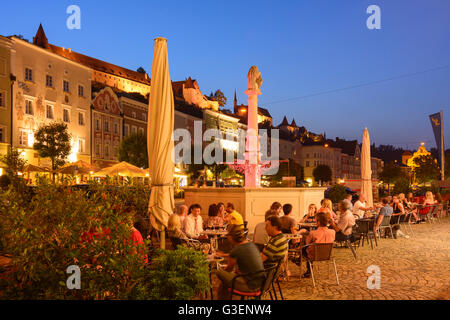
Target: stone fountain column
x,y
252,154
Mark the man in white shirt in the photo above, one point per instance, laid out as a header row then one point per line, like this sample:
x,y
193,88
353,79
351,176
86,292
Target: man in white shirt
x,y
193,223
360,207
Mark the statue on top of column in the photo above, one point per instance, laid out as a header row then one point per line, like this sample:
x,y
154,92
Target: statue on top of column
x,y
254,79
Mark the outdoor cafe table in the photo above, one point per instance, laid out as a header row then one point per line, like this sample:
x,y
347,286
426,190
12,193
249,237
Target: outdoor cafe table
x,y
308,225
213,236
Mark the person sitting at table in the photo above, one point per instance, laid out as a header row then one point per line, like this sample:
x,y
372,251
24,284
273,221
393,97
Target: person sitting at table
x,y
213,217
360,207
277,246
327,206
385,211
321,235
349,198
345,224
174,228
398,210
310,217
193,224
277,207
247,260
288,224
233,217
222,211
260,236
182,213
427,203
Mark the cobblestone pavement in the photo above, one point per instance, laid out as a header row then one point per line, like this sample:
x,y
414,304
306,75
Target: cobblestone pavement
x,y
416,268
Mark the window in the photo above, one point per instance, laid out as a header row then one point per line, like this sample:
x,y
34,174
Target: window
x,y
2,99
23,138
133,129
80,91
97,149
81,145
29,107
66,86
116,128
106,126
116,152
307,163
144,117
66,115
133,115
49,112
97,125
49,81
81,119
28,74
141,130
106,150
126,130
2,134
307,155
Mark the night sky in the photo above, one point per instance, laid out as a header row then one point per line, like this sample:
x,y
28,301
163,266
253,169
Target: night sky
x,y
320,63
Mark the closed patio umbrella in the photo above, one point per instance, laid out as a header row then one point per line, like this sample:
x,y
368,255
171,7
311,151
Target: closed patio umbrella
x,y
366,169
159,140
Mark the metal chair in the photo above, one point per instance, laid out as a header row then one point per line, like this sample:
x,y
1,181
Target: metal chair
x,y
268,274
406,220
385,224
365,230
322,252
277,282
348,243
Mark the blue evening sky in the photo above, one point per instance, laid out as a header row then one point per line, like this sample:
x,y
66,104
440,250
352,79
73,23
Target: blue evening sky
x,y
302,48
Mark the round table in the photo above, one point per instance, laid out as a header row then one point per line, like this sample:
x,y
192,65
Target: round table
x,y
213,236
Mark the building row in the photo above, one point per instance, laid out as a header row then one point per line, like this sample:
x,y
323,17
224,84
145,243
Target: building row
x,y
103,103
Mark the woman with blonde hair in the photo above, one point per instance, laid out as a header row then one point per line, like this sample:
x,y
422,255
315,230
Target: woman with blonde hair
x,y
429,199
327,207
174,228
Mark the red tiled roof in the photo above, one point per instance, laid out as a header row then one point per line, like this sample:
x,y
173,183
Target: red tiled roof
x,y
41,40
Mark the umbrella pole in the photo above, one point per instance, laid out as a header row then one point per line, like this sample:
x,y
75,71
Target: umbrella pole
x,y
162,239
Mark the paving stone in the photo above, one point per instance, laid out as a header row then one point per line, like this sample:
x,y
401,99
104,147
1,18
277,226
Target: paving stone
x,y
411,269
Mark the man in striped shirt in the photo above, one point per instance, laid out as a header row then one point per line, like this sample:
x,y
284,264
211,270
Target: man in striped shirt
x,y
277,246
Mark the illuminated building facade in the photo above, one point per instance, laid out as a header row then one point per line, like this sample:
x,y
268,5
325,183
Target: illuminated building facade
x,y
5,96
49,88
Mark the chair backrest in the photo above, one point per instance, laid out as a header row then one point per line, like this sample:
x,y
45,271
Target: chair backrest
x,y
322,251
386,221
406,217
363,226
271,274
176,242
395,219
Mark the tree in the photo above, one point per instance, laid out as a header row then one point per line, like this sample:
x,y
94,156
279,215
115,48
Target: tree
x,y
337,193
426,169
391,173
53,141
133,149
322,173
402,186
15,163
220,97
